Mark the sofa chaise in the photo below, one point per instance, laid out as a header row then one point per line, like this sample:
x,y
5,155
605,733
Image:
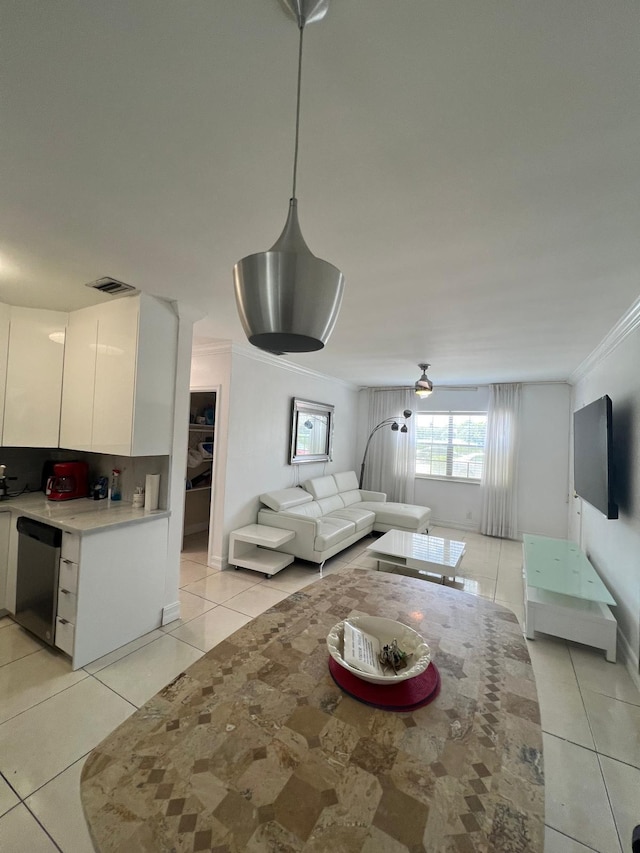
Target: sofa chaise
x,y
330,513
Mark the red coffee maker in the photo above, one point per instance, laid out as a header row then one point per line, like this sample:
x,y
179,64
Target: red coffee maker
x,y
69,480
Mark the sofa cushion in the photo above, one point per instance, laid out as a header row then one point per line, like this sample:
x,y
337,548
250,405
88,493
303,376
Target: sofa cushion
x,y
321,487
331,531
402,515
327,505
310,510
285,498
362,518
352,497
346,481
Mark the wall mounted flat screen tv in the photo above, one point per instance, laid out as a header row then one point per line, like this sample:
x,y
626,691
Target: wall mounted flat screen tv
x,y
593,472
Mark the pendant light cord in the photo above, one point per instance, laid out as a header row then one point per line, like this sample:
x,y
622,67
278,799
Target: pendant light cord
x,y
295,153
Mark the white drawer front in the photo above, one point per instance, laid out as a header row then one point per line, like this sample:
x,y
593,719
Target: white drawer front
x,y
64,635
68,577
70,547
67,605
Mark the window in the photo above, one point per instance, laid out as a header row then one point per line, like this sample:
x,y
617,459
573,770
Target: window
x,y
450,445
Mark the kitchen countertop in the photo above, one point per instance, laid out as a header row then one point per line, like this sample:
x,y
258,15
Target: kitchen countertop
x,y
82,515
254,748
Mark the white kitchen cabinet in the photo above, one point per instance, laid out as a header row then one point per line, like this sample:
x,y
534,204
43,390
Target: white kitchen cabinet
x,y
76,416
34,378
5,319
110,588
132,359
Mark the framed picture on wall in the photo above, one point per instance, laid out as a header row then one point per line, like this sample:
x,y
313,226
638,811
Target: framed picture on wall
x,y
311,431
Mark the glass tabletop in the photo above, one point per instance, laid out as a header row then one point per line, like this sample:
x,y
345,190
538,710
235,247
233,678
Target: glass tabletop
x,y
557,565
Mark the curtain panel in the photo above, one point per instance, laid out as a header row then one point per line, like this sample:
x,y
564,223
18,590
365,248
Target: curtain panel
x,y
390,464
499,510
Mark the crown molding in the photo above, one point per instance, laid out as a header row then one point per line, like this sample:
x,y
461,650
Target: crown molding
x,y
628,323
205,348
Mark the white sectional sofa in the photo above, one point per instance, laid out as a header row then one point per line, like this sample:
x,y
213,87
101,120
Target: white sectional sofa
x,y
330,513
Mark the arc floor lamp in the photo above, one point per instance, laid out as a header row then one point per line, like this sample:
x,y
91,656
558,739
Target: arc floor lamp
x,y
395,427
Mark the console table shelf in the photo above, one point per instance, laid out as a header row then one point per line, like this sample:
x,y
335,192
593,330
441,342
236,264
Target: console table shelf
x,y
564,596
254,547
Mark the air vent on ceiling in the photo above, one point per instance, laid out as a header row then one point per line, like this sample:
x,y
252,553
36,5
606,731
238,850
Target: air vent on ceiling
x,y
110,285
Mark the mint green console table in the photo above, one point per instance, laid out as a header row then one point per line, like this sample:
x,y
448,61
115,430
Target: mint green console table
x,y
564,595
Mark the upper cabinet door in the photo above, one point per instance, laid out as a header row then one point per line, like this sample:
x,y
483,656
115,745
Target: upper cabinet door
x,y
5,318
80,349
34,378
115,382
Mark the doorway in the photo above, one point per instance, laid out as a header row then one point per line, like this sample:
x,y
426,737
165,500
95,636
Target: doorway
x,y
200,472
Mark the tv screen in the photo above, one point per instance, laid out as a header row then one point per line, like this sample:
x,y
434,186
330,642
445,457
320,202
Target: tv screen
x,y
592,456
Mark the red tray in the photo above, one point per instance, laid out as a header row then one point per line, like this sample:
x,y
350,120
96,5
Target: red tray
x,y
404,696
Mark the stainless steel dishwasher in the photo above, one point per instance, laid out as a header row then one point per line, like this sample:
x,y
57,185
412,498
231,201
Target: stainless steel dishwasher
x,y
37,578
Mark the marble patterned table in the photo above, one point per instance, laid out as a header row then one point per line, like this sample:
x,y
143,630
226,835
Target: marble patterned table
x,y
254,748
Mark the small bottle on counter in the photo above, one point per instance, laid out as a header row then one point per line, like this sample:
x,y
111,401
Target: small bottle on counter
x,y
138,498
115,493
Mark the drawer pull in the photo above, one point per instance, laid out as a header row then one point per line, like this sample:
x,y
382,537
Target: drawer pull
x,y
65,591
63,621
68,562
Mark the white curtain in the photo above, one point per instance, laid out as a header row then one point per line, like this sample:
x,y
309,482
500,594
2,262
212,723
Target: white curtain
x,y
499,483
390,463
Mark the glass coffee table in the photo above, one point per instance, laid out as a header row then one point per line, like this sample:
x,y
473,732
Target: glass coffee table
x,y
417,554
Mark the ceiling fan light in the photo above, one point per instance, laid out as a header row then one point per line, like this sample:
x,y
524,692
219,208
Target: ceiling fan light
x,y
424,386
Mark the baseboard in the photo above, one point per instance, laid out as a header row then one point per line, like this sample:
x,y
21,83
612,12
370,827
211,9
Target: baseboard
x,y
456,525
217,562
171,612
630,658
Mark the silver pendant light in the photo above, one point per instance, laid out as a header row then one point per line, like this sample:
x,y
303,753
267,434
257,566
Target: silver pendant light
x,y
424,386
288,300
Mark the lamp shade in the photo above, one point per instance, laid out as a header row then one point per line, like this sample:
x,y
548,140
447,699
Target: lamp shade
x,y
288,300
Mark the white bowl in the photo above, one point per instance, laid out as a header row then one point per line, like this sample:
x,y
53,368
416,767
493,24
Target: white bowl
x,y
385,630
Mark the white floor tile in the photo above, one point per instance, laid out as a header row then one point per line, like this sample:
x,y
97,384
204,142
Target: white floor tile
x,y
509,587
38,744
58,808
294,578
484,587
191,606
555,842
551,660
6,621
21,833
623,785
123,651
140,675
222,586
595,673
206,631
253,602
190,572
472,567
562,711
8,797
615,726
576,801
17,643
33,679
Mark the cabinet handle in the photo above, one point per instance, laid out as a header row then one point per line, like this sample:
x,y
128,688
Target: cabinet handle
x,y
66,591
63,621
68,562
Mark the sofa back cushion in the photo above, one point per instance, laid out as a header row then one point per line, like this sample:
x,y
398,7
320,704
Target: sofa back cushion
x,y
327,505
321,487
284,499
346,481
310,510
352,497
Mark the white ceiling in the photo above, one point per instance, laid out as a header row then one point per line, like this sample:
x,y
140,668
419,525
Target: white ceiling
x,y
472,167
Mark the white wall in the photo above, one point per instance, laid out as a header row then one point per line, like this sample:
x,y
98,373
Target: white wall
x,y
252,442
613,546
542,461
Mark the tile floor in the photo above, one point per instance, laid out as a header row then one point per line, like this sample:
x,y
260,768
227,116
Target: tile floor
x,y
51,718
